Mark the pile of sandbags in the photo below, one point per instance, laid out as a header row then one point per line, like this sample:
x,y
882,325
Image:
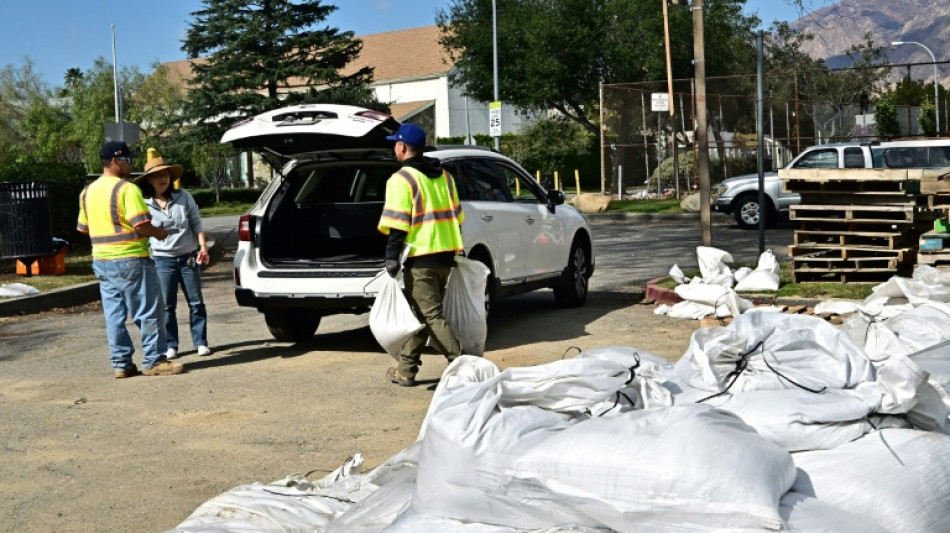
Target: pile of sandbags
x,y
713,292
776,422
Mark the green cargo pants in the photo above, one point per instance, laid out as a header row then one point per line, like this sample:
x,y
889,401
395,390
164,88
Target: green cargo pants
x,y
425,290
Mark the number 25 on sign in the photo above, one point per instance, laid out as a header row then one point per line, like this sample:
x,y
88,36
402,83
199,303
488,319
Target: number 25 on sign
x,y
494,119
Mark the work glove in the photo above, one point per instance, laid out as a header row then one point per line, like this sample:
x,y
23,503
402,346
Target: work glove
x,y
392,267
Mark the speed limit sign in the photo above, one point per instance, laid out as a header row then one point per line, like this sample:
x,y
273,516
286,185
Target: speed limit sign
x,y
494,119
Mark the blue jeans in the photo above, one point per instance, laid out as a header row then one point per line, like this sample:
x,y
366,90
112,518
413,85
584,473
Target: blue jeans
x,y
184,271
130,287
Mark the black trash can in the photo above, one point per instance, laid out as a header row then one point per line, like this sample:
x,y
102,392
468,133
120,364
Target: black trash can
x,y
25,231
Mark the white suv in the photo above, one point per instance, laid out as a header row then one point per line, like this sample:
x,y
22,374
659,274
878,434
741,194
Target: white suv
x,y
309,247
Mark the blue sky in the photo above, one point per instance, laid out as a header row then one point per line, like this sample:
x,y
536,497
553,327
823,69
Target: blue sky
x,y
59,34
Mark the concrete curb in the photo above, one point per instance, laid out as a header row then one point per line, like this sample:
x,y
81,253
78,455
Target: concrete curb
x,y
44,301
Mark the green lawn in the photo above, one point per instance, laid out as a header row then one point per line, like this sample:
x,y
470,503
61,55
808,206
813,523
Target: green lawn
x,y
790,289
223,209
671,205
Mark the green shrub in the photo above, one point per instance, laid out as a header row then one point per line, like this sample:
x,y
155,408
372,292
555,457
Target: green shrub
x,y
206,197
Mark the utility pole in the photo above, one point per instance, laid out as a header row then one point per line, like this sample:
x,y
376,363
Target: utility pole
x,y
669,89
119,119
494,47
702,137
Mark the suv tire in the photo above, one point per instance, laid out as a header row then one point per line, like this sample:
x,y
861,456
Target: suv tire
x,y
571,290
746,211
292,325
491,291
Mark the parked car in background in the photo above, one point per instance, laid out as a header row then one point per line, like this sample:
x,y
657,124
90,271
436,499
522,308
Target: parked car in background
x,y
309,247
739,195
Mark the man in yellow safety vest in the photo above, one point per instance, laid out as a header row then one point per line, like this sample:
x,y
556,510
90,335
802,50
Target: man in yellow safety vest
x,y
421,213
113,213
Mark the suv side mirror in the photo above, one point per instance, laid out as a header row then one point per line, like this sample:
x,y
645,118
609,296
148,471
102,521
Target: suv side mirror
x,y
555,197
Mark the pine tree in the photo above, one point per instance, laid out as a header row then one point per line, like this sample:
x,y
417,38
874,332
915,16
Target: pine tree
x,y
258,55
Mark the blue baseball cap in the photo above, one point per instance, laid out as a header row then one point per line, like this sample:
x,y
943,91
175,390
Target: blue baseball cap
x,y
115,149
409,134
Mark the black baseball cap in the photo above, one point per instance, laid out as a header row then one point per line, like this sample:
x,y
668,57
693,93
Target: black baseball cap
x,y
115,149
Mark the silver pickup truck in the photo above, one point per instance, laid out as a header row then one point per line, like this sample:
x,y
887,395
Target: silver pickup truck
x,y
740,195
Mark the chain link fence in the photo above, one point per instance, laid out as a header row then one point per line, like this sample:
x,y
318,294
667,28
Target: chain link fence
x,y
802,109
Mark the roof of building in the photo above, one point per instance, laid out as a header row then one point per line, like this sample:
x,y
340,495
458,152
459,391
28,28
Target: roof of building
x,y
394,55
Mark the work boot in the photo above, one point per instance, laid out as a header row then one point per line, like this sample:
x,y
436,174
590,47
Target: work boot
x,y
394,376
165,368
121,373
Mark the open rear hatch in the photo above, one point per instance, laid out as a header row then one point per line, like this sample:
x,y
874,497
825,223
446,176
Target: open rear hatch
x,y
294,132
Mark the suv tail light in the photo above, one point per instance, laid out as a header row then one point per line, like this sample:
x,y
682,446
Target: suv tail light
x,y
246,228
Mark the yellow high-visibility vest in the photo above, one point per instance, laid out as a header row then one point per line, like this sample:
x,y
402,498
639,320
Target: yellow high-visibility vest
x,y
109,210
428,209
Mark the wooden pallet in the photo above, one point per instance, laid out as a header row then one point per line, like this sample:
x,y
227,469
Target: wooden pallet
x,y
897,214
938,201
851,187
887,240
896,198
934,258
812,251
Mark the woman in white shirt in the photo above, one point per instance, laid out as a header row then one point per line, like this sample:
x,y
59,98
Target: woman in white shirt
x,y
179,257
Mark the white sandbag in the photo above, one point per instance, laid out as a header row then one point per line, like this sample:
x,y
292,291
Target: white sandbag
x,y
795,419
898,478
645,390
836,307
662,309
723,300
803,513
712,266
464,304
389,487
677,274
759,281
773,351
686,467
13,290
391,318
922,327
765,277
741,273
690,310
873,336
289,504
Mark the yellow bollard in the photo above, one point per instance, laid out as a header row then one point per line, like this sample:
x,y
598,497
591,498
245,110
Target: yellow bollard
x,y
577,181
537,176
517,188
557,181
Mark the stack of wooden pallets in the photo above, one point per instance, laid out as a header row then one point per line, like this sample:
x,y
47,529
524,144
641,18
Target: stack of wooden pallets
x,y
857,225
935,244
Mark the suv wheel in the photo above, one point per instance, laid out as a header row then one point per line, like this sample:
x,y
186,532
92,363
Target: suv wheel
x,y
292,325
490,289
571,290
747,211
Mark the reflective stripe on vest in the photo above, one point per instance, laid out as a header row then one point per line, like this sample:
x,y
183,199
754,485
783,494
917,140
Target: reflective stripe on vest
x,y
432,217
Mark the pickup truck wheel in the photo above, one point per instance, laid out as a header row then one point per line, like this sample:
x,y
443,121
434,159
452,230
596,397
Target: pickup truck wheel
x,y
571,290
747,211
292,325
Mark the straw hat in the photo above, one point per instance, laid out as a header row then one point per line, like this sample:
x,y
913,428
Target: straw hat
x,y
158,164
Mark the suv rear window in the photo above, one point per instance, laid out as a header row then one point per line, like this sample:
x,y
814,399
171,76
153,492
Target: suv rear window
x,y
344,183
